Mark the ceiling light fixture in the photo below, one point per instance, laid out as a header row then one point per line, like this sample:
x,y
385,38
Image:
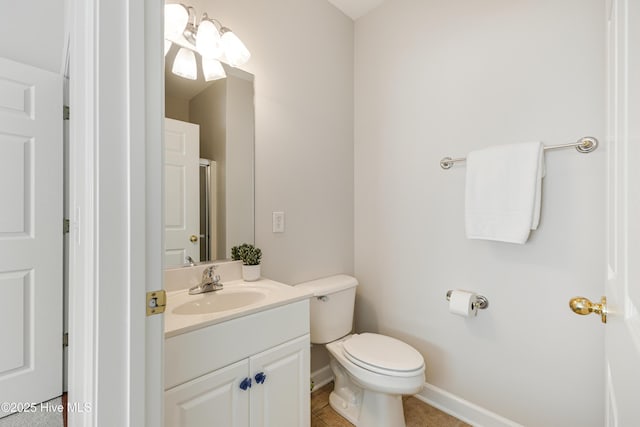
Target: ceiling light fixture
x,y
185,64
214,42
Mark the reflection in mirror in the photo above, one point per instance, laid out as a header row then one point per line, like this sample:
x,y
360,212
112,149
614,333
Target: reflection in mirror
x,y
220,204
208,202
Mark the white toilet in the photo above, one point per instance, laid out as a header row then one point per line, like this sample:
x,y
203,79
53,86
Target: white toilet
x,y
371,371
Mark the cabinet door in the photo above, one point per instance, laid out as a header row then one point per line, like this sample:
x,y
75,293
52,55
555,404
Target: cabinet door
x,y
282,399
215,399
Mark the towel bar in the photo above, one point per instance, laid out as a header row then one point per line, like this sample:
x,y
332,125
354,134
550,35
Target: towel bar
x,y
584,145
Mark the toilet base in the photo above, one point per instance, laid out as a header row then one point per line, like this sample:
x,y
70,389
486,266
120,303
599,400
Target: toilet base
x,y
344,408
346,397
381,410
376,409
364,407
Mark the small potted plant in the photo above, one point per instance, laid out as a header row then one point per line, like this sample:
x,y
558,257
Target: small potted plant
x,y
250,257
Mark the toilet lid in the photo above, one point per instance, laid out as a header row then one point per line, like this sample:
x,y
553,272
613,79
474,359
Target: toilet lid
x,y
383,354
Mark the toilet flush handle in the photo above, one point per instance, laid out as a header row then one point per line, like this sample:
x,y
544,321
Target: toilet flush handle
x,y
322,298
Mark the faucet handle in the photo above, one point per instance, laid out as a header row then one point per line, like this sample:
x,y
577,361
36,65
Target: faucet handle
x,y
207,273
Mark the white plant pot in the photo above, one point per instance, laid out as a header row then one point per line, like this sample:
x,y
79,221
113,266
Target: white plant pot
x,y
251,273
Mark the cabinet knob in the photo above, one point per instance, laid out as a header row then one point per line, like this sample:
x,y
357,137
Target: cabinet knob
x,y
260,377
245,384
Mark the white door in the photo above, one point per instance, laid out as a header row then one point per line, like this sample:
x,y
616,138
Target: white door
x,y
30,234
215,399
280,390
622,332
182,190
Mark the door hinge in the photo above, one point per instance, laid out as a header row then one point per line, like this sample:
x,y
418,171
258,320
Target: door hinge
x,y
65,226
65,112
65,339
156,302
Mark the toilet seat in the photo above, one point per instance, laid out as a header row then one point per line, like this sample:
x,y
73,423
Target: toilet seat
x,y
383,355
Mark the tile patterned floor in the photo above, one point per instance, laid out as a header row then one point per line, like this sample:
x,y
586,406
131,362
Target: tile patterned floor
x,y
416,413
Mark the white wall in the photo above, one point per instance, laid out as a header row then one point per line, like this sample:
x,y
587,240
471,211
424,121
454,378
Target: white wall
x,y
33,33
302,59
240,161
439,78
176,108
209,110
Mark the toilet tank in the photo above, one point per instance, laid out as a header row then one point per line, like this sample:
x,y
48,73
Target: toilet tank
x,y
331,308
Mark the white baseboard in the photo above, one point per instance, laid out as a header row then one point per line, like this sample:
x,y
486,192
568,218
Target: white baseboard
x,y
465,411
321,377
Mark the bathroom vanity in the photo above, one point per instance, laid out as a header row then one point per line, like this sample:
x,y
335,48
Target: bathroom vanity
x,y
238,357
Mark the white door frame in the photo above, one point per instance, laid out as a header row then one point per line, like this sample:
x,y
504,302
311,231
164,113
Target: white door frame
x,y
116,157
622,288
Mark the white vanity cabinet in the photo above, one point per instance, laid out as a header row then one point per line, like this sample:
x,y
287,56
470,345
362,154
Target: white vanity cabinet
x,y
214,399
249,371
281,398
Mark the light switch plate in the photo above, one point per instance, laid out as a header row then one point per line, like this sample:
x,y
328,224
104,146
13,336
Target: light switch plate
x,y
278,222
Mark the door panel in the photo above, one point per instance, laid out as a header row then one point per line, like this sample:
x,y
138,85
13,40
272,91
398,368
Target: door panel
x,y
15,171
30,233
182,187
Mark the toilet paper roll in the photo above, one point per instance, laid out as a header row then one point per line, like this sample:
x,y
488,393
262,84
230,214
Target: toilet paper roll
x,y
463,303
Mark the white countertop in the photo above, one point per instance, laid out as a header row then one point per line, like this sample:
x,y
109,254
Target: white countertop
x,y
275,294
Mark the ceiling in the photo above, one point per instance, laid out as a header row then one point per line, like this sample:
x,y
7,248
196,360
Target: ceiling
x,y
355,8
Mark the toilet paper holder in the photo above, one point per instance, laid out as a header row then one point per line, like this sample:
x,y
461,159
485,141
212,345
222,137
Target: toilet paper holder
x,y
481,301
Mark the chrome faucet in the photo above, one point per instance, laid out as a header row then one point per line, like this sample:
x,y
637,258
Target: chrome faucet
x,y
210,282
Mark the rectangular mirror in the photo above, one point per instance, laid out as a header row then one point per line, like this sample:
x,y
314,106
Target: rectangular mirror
x,y
209,165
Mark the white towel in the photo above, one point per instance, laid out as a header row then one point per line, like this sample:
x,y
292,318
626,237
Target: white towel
x,y
503,189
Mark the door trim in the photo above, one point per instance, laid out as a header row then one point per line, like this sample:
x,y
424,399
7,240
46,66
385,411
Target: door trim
x,y
115,171
82,323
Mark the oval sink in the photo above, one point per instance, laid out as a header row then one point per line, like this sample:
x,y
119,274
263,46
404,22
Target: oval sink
x,y
215,302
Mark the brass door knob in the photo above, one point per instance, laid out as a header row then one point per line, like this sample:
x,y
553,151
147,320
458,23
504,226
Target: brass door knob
x,y
582,306
193,238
